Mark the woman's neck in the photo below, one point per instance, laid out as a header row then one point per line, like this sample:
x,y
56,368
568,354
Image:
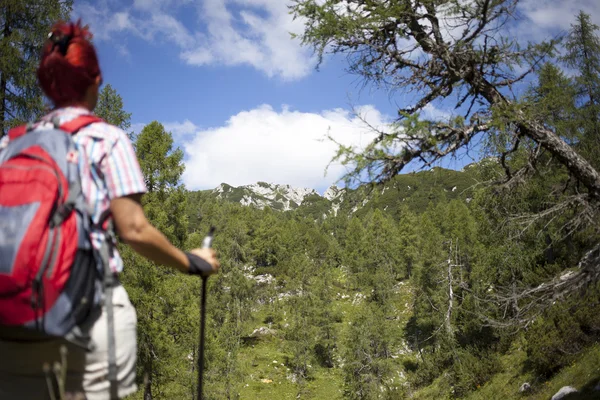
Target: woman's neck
x,y
74,104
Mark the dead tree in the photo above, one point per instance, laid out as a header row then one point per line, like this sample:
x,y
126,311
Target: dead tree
x,y
441,52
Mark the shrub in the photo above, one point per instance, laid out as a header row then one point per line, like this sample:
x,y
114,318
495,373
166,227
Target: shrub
x,y
562,332
472,368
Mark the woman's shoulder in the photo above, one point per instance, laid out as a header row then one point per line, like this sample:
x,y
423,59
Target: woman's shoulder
x,y
102,130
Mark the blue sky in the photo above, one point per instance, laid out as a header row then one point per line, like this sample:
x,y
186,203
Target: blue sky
x,y
240,96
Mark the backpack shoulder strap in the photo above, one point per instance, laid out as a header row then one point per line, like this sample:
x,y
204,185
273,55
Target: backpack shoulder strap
x,y
80,122
71,127
17,132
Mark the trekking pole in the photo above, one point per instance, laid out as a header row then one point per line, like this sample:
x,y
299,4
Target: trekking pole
x,y
206,243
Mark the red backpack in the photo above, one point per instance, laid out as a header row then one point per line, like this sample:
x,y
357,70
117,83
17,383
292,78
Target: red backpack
x,y
51,278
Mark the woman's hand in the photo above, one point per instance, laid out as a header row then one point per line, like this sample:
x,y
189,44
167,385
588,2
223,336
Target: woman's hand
x,y
208,258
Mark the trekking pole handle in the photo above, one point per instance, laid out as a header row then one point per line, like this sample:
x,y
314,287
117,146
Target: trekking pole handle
x,y
207,242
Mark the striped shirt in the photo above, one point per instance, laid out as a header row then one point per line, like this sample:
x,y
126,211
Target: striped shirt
x,y
108,166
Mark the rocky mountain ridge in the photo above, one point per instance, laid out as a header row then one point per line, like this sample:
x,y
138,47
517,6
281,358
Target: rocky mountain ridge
x,y
415,189
262,194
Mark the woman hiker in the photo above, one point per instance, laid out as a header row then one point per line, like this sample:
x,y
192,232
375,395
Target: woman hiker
x,y
112,184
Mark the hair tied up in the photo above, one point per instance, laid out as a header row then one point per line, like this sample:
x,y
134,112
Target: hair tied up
x,y
60,41
69,64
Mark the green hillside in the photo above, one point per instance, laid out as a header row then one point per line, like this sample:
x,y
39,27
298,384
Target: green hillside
x,y
312,307
414,190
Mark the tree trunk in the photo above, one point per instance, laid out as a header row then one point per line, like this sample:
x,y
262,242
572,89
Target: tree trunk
x,y
449,329
591,94
575,163
2,104
3,81
148,381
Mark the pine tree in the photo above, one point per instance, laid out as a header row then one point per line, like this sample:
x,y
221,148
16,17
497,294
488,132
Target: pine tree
x,y
383,262
355,251
408,239
373,34
266,240
110,109
430,296
301,334
162,343
24,27
161,164
583,55
324,317
231,297
367,356
553,101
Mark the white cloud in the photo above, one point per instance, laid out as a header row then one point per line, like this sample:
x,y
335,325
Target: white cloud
x,y
557,14
171,29
255,33
149,5
539,20
181,130
433,113
285,147
123,51
535,20
251,32
137,127
103,22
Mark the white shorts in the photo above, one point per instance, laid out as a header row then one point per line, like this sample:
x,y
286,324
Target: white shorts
x,y
21,364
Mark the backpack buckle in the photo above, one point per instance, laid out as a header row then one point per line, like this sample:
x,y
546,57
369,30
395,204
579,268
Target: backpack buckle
x,y
61,214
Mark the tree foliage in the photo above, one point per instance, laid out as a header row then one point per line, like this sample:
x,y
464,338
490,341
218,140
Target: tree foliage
x,y
110,109
161,164
470,63
407,284
163,300
24,27
408,46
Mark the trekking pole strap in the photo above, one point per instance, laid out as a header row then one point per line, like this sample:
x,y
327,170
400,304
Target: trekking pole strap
x,y
202,334
206,243
110,280
112,347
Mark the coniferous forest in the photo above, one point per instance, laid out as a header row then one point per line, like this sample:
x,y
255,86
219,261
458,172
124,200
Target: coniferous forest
x,y
433,284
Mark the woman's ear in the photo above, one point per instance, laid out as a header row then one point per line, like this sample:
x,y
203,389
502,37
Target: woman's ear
x,y
99,80
91,96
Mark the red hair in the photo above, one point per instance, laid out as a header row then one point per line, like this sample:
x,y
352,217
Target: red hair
x,y
67,69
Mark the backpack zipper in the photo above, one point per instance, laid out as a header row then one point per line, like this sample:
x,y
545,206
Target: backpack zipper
x,y
52,263
41,167
37,286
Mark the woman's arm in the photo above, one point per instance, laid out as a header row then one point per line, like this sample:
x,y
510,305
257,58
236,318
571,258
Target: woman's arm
x,y
135,230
